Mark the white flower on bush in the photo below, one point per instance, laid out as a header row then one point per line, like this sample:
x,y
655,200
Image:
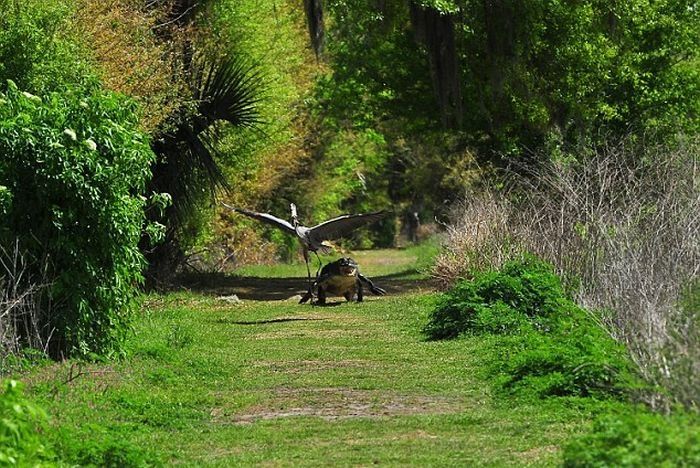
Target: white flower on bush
x,y
90,143
71,134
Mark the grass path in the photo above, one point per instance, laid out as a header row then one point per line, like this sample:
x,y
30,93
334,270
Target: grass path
x,y
209,382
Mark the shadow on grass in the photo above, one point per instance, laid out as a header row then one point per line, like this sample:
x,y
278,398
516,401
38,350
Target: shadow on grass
x,y
278,289
264,322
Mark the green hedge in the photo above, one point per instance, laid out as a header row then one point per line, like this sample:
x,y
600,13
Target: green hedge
x,y
73,167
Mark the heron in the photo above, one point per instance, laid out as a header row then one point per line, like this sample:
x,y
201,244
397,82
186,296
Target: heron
x,y
314,238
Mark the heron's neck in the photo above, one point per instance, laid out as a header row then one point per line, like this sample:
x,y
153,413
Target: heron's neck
x,y
295,221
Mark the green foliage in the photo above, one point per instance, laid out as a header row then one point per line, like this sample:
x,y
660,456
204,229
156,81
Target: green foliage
x,y
272,35
533,75
349,179
582,361
379,72
33,52
577,68
545,345
520,294
76,168
21,427
638,439
227,92
378,89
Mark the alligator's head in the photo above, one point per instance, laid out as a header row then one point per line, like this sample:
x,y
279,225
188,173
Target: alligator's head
x,y
348,266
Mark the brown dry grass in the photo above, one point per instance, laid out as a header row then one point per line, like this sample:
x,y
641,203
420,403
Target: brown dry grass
x,y
340,403
21,310
131,58
623,229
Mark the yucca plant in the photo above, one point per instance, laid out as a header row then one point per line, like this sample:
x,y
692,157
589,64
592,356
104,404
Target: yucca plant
x,y
226,91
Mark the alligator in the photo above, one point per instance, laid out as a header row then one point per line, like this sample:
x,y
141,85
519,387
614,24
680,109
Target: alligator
x,y
340,278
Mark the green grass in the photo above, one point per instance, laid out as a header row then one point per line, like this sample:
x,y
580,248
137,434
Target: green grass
x,y
211,383
207,382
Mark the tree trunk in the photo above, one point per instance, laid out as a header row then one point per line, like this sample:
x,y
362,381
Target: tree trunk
x,y
436,32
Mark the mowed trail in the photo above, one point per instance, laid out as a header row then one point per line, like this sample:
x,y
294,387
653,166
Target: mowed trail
x,y
275,383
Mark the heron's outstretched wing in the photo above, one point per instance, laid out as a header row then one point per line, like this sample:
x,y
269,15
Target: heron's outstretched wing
x,y
343,225
265,218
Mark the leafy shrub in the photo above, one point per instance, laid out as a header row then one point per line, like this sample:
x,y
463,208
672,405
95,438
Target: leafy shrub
x,y
638,439
76,167
550,347
578,361
21,422
522,292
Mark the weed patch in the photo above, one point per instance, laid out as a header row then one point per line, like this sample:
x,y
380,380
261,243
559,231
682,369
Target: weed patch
x,y
103,448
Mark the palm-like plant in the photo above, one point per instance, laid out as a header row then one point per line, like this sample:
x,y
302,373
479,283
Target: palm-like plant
x,y
226,92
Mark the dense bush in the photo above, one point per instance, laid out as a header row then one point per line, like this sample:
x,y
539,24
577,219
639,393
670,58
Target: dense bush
x,y
500,301
21,423
75,168
549,346
638,439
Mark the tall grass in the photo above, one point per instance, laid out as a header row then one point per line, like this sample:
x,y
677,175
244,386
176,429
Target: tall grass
x,y
622,226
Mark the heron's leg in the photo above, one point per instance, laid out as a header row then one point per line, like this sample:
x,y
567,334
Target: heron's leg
x,y
308,271
308,276
320,264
